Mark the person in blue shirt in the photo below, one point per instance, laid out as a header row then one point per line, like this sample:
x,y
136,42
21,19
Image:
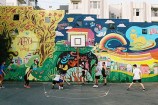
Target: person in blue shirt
x,y
2,73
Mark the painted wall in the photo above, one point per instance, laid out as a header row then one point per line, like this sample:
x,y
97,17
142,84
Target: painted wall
x,y
44,35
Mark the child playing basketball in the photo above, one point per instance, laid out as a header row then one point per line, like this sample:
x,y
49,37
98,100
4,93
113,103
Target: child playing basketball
x,y
58,80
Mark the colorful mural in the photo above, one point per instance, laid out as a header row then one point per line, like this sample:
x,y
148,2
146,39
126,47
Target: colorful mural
x,y
46,36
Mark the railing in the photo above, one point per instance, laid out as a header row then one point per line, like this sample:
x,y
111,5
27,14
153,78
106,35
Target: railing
x,y
75,1
22,1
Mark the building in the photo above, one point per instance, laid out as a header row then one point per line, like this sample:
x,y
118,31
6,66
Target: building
x,y
135,11
139,11
21,3
2,2
64,7
98,7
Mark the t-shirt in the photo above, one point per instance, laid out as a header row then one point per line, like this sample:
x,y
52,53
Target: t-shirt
x,y
98,73
57,77
136,73
108,64
1,69
34,67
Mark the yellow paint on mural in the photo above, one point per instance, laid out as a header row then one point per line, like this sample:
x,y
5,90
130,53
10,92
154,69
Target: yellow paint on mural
x,y
131,74
120,59
26,42
32,31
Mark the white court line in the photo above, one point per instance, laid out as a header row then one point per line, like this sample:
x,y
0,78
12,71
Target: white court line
x,y
47,95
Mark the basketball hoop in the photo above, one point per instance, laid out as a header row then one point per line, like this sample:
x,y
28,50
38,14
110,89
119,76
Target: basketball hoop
x,y
78,41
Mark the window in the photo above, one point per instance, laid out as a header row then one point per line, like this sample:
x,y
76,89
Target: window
x,y
112,26
154,12
75,6
94,4
144,31
47,19
16,17
112,16
136,12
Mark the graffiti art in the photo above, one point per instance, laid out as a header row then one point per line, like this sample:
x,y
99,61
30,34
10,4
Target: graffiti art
x,y
27,34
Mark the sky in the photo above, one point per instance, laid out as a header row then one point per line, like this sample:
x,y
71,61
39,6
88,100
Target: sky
x,y
54,4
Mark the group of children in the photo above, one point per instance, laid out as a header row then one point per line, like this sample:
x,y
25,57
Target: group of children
x,y
101,70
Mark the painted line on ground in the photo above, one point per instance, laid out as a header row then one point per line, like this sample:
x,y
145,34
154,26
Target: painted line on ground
x,y
80,98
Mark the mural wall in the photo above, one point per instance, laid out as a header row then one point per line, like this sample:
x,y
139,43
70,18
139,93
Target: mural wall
x,y
46,36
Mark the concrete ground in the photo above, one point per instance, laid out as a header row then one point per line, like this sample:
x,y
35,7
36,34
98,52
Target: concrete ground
x,y
112,94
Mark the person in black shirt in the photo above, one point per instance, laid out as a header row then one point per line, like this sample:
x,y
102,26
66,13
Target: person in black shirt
x,y
104,73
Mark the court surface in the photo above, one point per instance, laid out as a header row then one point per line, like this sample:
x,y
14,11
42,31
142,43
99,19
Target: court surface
x,y
113,94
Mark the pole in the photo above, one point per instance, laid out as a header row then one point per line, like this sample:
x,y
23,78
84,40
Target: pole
x,y
78,57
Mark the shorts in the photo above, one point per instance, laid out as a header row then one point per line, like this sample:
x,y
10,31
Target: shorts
x,y
104,75
63,72
97,77
60,81
1,77
139,80
83,74
108,67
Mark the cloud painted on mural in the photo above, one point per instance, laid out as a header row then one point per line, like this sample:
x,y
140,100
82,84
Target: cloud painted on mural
x,y
68,27
109,21
59,33
89,18
121,25
142,38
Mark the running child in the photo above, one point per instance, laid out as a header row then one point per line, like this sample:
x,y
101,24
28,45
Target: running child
x,y
58,80
137,77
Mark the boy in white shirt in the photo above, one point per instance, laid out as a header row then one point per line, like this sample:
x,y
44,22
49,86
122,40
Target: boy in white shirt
x,y
59,79
136,77
97,74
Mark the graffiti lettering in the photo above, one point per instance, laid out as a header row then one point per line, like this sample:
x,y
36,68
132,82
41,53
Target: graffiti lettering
x,y
24,49
83,58
66,59
63,67
73,53
25,41
72,63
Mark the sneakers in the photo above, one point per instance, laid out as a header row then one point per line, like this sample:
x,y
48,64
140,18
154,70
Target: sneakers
x,y
143,89
128,89
27,86
61,88
2,87
52,86
95,86
104,84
